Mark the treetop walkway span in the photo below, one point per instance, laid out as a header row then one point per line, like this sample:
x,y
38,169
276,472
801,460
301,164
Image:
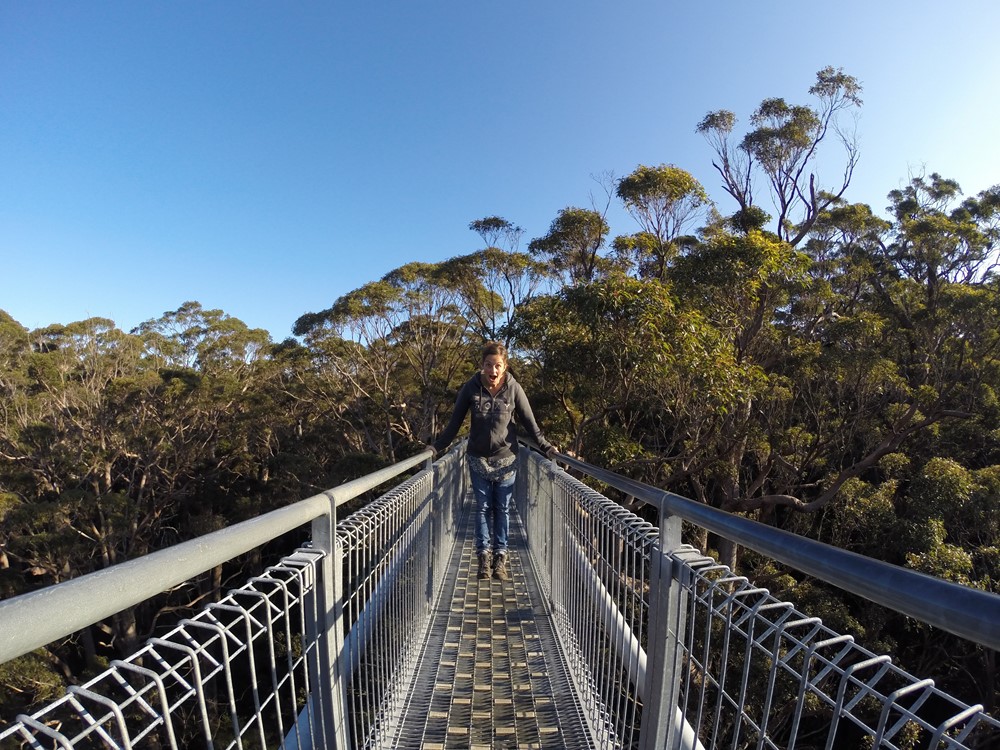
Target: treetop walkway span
x,y
610,633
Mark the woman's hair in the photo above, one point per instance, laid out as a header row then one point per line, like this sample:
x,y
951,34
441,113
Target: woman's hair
x,y
494,347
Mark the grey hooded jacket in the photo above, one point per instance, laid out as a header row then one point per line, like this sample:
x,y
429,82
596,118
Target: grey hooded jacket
x,y
493,433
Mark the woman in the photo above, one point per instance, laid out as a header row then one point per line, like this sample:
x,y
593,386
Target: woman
x,y
495,399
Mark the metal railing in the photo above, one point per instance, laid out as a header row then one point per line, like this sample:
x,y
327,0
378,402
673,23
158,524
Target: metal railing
x,y
394,554
235,675
666,648
302,656
670,649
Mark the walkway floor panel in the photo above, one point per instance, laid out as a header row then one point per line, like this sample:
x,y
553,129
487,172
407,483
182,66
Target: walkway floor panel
x,y
491,674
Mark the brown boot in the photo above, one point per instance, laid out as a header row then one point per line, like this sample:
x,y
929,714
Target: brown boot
x,y
500,567
484,565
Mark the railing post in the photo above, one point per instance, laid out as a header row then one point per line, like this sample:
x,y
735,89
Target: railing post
x,y
332,682
554,542
436,539
660,725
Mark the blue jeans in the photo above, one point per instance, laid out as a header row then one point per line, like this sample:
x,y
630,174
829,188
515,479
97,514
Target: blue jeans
x,y
492,505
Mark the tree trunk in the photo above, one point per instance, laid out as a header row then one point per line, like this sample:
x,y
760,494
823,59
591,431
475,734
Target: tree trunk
x,y
126,633
216,584
89,648
698,538
729,552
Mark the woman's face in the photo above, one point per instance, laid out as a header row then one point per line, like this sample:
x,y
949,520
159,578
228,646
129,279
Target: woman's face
x,y
494,367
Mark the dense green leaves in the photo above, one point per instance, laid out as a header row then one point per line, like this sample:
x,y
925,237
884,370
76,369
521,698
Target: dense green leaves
x,y
573,245
114,444
665,201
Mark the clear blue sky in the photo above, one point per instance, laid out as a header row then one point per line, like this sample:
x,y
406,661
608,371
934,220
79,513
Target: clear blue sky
x,y
266,157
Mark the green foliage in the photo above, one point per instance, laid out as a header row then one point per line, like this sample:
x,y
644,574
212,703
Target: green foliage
x,y
28,681
573,245
751,218
492,284
834,83
941,490
497,232
664,200
782,147
114,444
732,273
665,184
942,561
8,502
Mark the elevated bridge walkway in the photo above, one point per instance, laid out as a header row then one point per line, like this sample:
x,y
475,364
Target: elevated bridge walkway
x,y
610,633
491,673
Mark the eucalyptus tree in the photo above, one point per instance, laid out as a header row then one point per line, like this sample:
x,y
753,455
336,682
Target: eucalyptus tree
x,y
494,281
113,449
904,389
925,291
783,148
215,376
634,377
63,445
738,284
114,444
595,348
398,344
665,201
493,284
66,509
940,244
497,232
886,339
573,245
860,348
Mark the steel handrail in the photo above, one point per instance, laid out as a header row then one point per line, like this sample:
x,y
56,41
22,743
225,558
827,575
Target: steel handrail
x,y
969,613
37,618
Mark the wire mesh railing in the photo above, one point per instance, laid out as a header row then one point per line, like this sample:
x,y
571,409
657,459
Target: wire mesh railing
x,y
394,554
664,647
594,562
268,665
760,673
670,649
237,675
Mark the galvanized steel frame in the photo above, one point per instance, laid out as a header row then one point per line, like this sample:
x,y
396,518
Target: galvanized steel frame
x,y
255,649
202,653
707,655
395,553
666,647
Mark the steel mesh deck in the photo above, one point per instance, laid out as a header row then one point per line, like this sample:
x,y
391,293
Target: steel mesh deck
x,y
491,674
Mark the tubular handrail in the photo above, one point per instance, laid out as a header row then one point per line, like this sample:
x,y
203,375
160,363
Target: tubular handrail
x,y
37,618
969,613
656,645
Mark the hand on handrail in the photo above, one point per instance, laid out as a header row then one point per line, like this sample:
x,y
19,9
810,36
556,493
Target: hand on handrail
x,y
553,450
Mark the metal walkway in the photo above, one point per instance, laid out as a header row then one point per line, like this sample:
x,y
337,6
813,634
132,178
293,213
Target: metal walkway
x,y
491,674
611,633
